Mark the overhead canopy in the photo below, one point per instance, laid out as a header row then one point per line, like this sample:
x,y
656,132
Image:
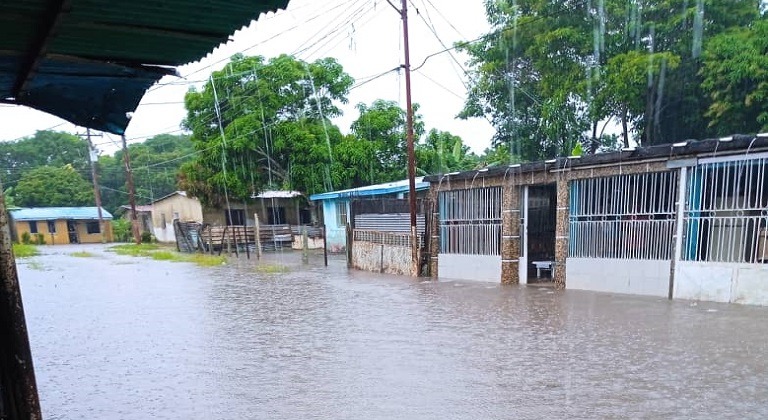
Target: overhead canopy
x,y
91,61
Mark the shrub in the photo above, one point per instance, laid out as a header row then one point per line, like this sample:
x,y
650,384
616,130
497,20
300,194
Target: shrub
x,y
40,239
146,237
122,230
26,238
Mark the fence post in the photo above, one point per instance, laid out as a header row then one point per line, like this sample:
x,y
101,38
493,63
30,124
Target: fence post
x,y
325,247
350,237
257,231
304,245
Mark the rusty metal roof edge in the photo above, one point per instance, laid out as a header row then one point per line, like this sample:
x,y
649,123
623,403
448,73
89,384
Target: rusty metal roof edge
x,y
730,145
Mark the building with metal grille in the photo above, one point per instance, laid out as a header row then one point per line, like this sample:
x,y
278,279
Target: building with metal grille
x,y
686,220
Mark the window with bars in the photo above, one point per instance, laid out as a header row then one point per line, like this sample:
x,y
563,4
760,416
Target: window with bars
x,y
470,221
726,212
623,216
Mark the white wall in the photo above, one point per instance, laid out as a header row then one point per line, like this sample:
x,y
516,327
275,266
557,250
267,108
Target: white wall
x,y
470,267
722,282
635,277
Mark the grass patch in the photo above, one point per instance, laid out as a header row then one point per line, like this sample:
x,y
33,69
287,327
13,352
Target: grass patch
x,y
166,256
82,254
159,253
271,269
206,260
25,250
143,250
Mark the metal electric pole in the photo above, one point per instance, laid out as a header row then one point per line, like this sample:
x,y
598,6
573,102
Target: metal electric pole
x,y
95,176
409,138
131,192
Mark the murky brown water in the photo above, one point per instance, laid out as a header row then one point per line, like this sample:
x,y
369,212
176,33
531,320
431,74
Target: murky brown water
x,y
127,338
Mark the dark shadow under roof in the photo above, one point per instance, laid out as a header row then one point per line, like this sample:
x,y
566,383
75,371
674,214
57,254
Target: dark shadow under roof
x,y
91,61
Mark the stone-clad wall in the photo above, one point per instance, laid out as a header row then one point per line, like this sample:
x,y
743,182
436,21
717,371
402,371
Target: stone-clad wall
x,y
511,182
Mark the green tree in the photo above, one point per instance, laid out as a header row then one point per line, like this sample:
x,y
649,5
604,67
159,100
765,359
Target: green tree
x,y
383,124
275,119
735,74
156,163
49,186
44,148
442,152
552,72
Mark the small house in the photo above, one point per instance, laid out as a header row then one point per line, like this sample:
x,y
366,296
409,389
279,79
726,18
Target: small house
x,y
61,225
336,206
271,208
157,217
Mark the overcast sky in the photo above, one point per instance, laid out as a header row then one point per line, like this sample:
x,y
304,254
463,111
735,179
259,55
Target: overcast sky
x,y
364,35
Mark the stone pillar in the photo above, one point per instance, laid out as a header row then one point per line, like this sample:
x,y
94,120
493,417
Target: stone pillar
x,y
510,235
434,233
561,231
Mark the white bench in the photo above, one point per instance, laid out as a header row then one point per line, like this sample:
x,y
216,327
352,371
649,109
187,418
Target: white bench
x,y
544,265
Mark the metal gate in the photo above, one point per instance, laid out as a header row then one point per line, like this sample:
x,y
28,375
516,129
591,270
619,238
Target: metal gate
x,y
470,234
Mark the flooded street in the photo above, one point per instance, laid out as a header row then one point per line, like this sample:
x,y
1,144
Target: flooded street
x,y
131,338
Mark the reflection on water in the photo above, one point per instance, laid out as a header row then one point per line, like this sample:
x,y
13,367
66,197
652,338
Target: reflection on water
x,y
120,337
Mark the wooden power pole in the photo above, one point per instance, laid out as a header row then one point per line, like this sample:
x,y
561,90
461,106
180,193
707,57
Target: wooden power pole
x,y
95,176
409,139
131,193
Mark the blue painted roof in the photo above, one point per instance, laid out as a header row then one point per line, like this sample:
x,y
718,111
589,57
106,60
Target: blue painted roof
x,y
373,190
58,213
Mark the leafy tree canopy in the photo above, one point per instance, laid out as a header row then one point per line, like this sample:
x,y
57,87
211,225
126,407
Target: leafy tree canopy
x,y
49,186
735,74
442,152
261,124
552,73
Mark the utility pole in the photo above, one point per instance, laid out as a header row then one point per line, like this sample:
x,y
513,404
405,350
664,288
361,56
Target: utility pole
x,y
131,192
93,159
409,138
18,387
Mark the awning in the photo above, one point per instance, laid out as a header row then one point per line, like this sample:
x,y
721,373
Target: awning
x,y
91,61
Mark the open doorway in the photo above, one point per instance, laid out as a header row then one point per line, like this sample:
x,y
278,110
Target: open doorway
x,y
539,220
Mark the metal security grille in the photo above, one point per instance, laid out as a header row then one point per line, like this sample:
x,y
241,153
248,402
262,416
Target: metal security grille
x,y
386,238
470,221
623,216
395,222
726,212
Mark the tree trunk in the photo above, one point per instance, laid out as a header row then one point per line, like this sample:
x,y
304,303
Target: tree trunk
x,y
624,130
594,144
647,139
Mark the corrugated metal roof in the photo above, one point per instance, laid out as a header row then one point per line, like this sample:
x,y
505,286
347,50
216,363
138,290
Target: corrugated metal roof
x,y
373,190
58,213
279,194
735,144
90,61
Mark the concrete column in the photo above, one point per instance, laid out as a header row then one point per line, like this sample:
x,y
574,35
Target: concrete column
x,y
434,233
561,231
510,235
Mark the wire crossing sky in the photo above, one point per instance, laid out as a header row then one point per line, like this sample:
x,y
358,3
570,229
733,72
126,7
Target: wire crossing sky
x,y
364,35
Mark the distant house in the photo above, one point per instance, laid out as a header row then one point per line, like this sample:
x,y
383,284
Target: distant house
x,y
336,206
271,208
283,208
158,216
61,225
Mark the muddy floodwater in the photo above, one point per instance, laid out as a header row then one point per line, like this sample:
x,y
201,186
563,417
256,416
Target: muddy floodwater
x,y
118,337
